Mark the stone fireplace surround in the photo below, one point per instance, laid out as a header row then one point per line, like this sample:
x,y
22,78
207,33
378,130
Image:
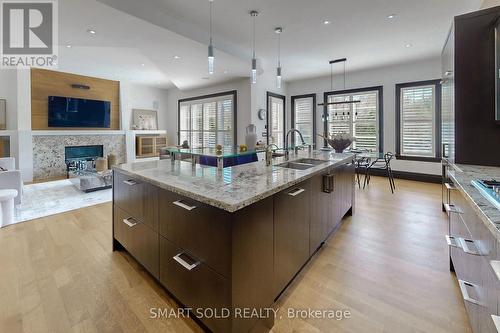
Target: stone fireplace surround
x,y
49,151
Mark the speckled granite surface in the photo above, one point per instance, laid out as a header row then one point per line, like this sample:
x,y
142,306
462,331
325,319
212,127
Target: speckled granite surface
x,y
233,188
48,151
462,175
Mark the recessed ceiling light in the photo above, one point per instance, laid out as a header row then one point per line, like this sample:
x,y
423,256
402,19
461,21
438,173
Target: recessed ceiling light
x,y
408,45
91,31
325,22
68,46
143,65
391,16
176,57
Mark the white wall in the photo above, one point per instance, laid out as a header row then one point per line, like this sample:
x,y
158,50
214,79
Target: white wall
x,y
266,82
136,96
243,117
388,77
8,91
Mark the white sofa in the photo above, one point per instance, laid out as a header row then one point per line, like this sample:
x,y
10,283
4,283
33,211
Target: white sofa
x,y
11,179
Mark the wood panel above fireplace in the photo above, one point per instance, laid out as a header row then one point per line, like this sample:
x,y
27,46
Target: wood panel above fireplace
x,y
45,83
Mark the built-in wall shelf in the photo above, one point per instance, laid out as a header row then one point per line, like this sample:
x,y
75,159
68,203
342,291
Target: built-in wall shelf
x,y
78,132
7,132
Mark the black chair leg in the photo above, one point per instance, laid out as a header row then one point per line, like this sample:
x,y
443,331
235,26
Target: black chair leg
x,y
389,176
367,176
392,178
357,178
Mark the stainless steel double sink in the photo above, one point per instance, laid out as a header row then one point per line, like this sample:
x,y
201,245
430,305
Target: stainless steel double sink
x,y
301,164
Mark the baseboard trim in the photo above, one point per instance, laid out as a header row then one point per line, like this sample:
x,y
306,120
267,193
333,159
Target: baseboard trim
x,y
419,177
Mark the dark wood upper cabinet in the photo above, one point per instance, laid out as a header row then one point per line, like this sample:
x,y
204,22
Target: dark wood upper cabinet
x,y
472,66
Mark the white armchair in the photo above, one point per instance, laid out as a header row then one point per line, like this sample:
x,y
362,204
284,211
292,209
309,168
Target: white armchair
x,y
11,179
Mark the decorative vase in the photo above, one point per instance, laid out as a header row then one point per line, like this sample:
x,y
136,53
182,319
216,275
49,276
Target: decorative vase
x,y
251,137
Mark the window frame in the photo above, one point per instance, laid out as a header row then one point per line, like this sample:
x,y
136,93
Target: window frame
x,y
437,124
232,93
292,108
379,89
268,114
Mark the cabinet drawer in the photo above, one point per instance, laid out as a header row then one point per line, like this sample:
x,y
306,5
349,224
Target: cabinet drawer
x,y
194,284
128,194
138,239
202,230
291,232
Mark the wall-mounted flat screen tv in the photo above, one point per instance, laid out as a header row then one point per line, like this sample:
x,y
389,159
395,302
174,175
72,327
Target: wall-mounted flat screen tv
x,y
77,112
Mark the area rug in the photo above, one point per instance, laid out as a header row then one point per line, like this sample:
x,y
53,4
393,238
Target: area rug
x,y
44,199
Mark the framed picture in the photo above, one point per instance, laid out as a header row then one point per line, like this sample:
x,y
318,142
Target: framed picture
x,y
145,119
3,114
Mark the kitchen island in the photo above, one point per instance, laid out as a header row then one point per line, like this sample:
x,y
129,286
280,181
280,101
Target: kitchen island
x,y
226,243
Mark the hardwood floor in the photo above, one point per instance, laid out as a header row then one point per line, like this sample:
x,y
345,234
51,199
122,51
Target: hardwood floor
x,y
387,265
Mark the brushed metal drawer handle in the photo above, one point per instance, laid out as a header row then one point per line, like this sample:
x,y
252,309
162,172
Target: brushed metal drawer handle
x,y
183,205
465,246
452,209
183,263
130,224
296,192
465,294
130,182
450,187
495,265
496,322
452,241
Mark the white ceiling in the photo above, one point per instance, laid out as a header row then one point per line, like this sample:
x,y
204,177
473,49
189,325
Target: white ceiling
x,y
156,30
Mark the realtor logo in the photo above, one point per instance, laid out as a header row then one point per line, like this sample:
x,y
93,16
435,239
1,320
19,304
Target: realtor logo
x,y
29,33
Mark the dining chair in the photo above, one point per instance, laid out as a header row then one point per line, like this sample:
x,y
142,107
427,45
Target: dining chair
x,y
384,165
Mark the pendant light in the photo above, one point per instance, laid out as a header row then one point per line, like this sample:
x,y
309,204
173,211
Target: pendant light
x,y
332,62
278,30
211,57
254,14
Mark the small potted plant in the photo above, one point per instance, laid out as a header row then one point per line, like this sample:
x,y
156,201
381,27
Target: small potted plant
x,y
339,141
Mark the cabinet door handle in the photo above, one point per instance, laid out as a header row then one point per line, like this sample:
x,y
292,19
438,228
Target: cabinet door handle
x,y
465,294
183,205
184,264
130,182
467,249
495,265
452,209
452,241
450,187
296,192
129,222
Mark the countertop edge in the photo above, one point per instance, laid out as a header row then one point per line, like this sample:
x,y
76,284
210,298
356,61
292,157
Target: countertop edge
x,y
484,218
228,207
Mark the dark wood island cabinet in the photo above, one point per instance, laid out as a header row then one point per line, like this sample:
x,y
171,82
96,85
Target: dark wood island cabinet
x,y
212,259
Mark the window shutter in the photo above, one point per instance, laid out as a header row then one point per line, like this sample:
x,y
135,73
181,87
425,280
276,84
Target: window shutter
x,y
303,118
361,120
276,127
208,122
417,121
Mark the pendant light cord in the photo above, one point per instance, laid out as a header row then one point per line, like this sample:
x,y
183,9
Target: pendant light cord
x,y
331,77
344,75
253,36
279,50
210,26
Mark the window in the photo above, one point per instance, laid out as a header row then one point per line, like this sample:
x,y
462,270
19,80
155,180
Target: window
x,y
208,120
418,116
304,117
362,120
276,119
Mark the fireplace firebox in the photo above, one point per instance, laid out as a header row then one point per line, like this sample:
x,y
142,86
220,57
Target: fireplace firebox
x,y
82,158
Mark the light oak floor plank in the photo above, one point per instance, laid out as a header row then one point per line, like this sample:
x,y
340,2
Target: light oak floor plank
x,y
387,265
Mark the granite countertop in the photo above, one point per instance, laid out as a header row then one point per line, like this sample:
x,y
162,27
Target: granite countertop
x,y
233,188
462,175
